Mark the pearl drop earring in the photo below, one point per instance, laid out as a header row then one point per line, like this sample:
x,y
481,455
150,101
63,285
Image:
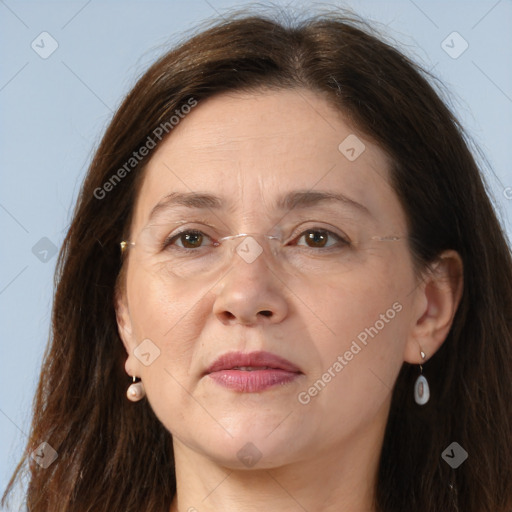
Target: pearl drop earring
x,y
421,387
135,391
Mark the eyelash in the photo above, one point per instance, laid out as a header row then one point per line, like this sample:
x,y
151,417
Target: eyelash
x,y
169,241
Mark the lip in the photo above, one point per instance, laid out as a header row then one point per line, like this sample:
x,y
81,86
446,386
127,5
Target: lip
x,y
267,370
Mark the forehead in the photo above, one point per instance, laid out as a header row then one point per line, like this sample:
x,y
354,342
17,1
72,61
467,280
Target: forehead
x,y
250,149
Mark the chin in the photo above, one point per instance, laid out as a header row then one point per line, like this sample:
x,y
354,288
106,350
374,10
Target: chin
x,y
256,446
253,456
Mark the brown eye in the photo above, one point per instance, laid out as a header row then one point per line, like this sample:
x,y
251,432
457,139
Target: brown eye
x,y
191,240
316,238
187,240
320,239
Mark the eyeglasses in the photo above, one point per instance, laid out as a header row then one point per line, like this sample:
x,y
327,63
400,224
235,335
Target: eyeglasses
x,y
192,253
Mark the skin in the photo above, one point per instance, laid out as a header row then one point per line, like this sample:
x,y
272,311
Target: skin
x,y
250,148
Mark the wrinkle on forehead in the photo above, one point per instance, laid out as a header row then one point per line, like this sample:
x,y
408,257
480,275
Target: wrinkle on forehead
x,y
254,147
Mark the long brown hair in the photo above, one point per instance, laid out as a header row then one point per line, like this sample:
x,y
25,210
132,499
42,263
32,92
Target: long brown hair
x,y
116,455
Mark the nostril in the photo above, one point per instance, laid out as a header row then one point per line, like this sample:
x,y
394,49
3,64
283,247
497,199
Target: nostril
x,y
266,312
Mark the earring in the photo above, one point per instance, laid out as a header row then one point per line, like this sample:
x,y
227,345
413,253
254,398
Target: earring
x,y
136,390
421,387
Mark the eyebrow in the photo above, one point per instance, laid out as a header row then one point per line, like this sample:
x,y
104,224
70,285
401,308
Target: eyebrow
x,y
290,201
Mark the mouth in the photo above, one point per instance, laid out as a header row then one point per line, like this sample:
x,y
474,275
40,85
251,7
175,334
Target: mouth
x,y
253,372
252,368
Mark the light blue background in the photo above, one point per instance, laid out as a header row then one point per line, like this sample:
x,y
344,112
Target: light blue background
x,y
54,110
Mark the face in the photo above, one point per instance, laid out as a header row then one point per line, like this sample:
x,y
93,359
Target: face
x,y
310,326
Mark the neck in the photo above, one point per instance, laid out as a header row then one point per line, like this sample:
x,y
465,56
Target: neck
x,y
341,479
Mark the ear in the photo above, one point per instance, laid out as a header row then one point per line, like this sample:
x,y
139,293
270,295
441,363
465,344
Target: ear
x,y
124,323
435,305
124,327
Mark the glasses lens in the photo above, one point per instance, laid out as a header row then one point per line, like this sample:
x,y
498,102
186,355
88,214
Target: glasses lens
x,y
193,253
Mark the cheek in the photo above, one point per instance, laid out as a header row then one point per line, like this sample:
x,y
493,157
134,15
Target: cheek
x,y
171,317
365,326
360,331
346,304
162,309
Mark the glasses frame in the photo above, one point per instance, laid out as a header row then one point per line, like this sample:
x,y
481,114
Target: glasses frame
x,y
126,244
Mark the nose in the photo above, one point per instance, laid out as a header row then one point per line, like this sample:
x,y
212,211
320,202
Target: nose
x,y
250,294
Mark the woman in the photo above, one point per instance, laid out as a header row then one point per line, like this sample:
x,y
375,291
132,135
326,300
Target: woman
x,y
285,256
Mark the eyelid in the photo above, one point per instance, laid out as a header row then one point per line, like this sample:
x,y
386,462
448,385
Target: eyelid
x,y
333,230
206,223
171,239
